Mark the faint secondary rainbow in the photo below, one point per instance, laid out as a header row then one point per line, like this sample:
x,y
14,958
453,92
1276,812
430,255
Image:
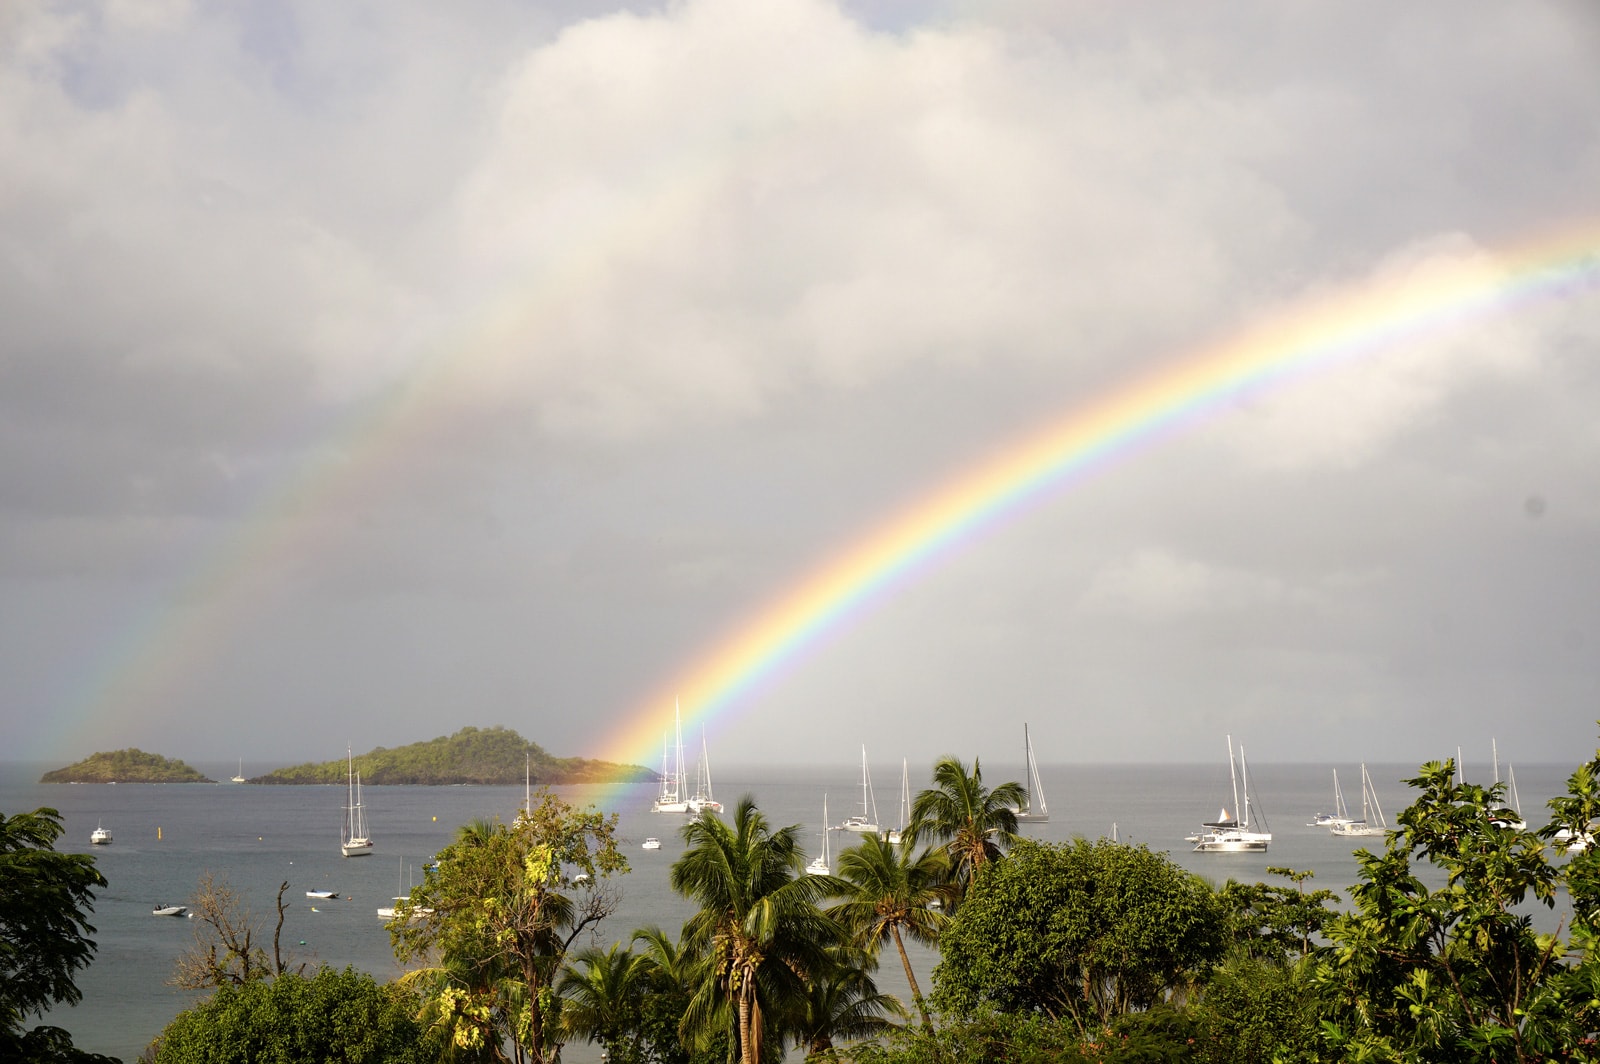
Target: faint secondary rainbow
x,y
1357,322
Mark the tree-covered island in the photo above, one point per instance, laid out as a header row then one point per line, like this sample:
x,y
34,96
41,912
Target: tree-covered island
x,y
472,755
126,766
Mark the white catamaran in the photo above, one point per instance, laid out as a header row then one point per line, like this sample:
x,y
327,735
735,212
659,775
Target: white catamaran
x,y
1034,810
867,822
819,864
1229,834
1340,814
672,799
702,801
1371,822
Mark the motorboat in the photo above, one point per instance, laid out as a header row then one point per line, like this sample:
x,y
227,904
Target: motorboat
x,y
819,864
322,895
1371,822
1227,833
867,822
1033,809
170,910
100,836
672,799
357,841
652,843
1340,814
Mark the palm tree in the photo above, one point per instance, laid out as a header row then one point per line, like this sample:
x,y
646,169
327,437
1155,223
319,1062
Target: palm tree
x,y
602,1002
972,821
758,927
842,1002
892,894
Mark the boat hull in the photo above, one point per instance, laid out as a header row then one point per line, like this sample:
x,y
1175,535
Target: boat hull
x,y
1230,842
356,848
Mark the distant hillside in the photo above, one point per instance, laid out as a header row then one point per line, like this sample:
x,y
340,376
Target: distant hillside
x,y
471,755
125,766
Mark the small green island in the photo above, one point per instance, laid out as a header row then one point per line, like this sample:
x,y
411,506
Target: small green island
x,y
126,766
472,755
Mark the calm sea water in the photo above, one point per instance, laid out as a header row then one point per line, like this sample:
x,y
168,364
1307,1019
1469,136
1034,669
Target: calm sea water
x,y
166,836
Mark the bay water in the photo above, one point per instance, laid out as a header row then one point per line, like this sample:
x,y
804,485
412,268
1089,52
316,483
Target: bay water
x,y
166,836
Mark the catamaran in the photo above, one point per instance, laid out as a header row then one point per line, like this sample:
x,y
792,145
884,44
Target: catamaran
x,y
672,799
1034,796
867,822
1371,822
819,864
894,835
1340,814
702,801
1229,834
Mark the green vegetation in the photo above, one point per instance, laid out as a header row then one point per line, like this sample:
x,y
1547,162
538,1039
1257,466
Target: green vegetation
x,y
45,901
471,755
126,766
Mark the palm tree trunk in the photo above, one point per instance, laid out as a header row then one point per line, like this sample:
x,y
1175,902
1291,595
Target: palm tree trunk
x,y
911,977
747,1054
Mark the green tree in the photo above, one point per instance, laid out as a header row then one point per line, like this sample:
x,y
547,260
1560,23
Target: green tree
x,y
974,823
1085,931
894,892
759,926
1276,923
45,901
841,1003
227,946
497,917
1460,973
329,1016
602,1000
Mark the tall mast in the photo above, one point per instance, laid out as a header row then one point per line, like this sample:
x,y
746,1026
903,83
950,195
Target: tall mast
x,y
1234,776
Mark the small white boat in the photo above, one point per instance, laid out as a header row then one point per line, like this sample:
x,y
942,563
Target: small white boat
x,y
322,895
357,841
1371,822
240,777
652,843
1229,834
99,836
1034,810
170,910
865,824
819,864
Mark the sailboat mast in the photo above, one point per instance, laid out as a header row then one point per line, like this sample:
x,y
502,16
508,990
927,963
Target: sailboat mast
x,y
1233,775
677,723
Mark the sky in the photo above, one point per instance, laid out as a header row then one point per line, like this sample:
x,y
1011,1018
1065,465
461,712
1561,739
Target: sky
x,y
370,370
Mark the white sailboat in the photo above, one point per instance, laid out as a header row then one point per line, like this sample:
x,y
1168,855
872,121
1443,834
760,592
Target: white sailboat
x,y
701,800
1371,822
867,822
240,777
672,799
894,835
1340,814
1515,823
819,865
1228,834
357,841
1034,810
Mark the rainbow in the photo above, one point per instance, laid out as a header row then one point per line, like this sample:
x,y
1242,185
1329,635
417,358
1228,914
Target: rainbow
x,y
1436,300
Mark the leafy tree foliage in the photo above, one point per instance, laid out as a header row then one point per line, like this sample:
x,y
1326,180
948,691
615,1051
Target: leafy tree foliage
x,y
1459,973
974,823
1276,923
1085,931
602,1000
329,1016
1255,1011
227,948
759,927
841,1003
497,918
45,901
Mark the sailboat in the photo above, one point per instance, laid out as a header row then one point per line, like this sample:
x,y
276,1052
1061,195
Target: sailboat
x,y
240,777
867,822
672,799
1034,795
1371,822
1516,823
1340,814
701,800
894,835
357,842
1228,834
819,864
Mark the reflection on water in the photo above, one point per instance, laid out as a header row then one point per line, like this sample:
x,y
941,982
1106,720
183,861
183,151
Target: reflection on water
x,y
259,837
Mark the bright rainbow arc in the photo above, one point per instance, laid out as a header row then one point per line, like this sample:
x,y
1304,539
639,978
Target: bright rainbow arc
x,y
1350,325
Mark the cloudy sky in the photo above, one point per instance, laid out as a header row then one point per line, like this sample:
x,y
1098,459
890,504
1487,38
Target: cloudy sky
x,y
372,369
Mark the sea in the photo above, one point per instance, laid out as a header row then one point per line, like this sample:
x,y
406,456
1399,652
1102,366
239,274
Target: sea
x,y
166,836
